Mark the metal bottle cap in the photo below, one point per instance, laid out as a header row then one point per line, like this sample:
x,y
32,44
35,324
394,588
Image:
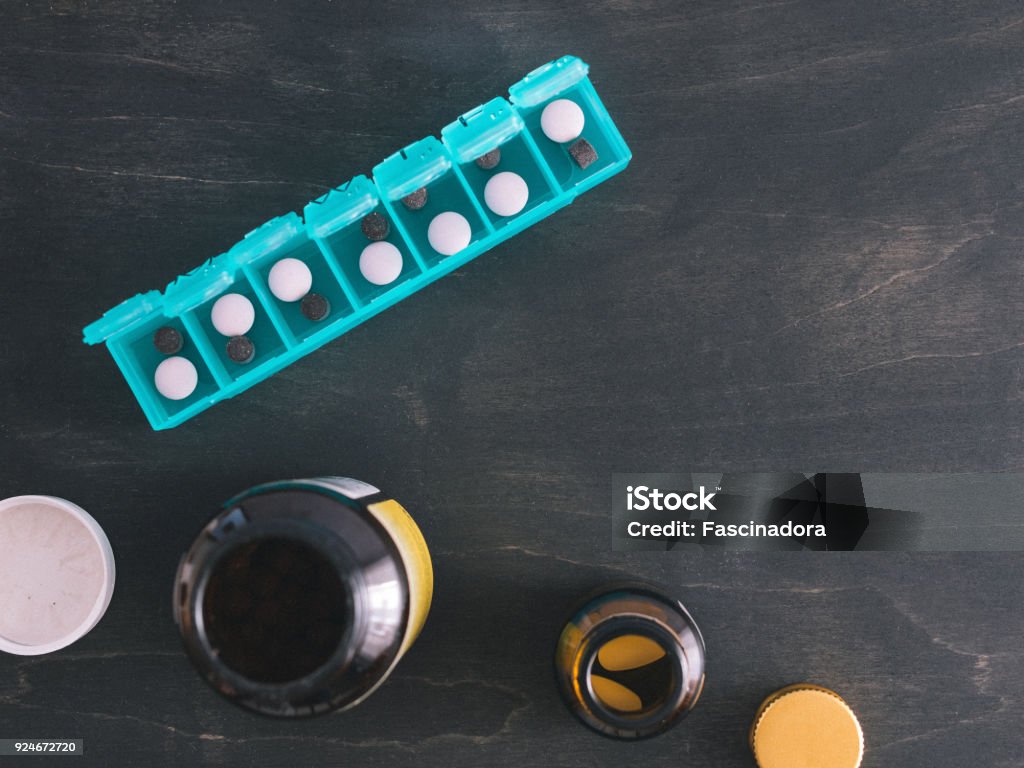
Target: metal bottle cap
x,y
808,726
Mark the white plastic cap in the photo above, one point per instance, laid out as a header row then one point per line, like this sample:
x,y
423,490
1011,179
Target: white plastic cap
x,y
56,574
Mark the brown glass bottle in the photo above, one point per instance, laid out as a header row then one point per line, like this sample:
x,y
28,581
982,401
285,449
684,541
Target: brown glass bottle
x,y
300,597
630,661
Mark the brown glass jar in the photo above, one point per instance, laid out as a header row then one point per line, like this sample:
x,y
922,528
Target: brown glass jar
x,y
630,661
300,597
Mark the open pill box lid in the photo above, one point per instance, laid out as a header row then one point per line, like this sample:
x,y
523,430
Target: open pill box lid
x,y
56,574
320,236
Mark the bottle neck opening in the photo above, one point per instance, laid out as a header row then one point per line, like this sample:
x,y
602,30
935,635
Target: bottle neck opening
x,y
276,609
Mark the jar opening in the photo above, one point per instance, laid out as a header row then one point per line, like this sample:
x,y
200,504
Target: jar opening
x,y
275,609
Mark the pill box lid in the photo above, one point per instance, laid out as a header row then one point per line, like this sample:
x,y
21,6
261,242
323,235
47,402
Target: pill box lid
x,y
340,207
198,286
548,81
279,235
56,574
411,168
123,317
480,130
805,724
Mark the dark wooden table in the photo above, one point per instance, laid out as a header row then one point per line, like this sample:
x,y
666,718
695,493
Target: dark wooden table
x,y
814,261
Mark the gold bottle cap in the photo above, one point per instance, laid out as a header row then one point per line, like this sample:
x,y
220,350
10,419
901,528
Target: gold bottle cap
x,y
806,726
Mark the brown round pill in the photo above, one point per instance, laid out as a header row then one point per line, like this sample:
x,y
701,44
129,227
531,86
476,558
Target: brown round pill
x,y
416,200
375,226
240,349
315,307
489,160
168,340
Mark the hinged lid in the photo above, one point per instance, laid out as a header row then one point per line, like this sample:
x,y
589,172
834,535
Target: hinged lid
x,y
340,207
200,285
482,129
547,81
411,168
274,236
125,315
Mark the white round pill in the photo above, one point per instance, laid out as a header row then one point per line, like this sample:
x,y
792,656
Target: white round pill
x,y
176,378
506,193
449,233
290,279
232,315
562,120
380,263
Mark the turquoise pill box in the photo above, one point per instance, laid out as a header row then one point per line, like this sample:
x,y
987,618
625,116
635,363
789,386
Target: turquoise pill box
x,y
329,239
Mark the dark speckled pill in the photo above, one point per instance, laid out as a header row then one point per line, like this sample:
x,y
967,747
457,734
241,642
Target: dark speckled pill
x,y
315,307
416,200
583,152
168,340
240,349
375,226
490,160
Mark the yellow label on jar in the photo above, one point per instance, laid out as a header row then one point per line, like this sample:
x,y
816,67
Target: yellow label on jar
x,y
416,558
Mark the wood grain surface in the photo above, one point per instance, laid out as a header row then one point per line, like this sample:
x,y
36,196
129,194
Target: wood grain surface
x,y
814,261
